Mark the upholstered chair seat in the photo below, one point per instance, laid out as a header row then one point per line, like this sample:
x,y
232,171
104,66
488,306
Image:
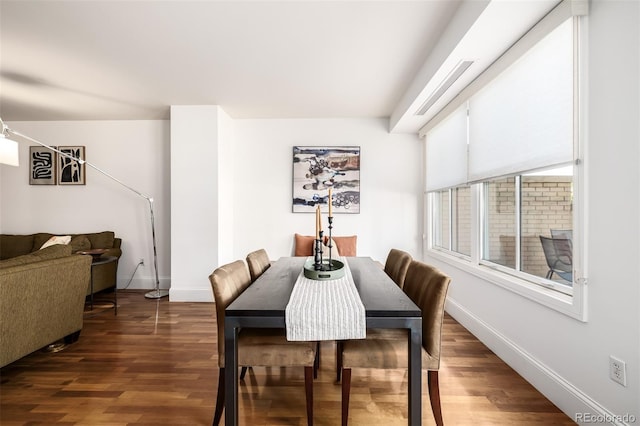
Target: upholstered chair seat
x,y
384,350
264,347
256,346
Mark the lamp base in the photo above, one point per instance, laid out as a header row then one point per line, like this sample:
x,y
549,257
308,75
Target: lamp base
x,y
156,294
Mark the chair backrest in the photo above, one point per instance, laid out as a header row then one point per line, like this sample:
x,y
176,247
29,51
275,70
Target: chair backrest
x,y
558,253
562,233
258,262
344,246
427,287
228,282
396,265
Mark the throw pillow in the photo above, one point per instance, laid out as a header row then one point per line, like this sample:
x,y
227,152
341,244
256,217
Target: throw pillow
x,y
57,239
347,245
80,243
304,245
101,239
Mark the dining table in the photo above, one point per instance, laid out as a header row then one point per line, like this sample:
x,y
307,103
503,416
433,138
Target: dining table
x,y
263,305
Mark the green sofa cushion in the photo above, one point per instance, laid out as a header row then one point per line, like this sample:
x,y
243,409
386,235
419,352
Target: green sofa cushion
x,y
39,239
80,242
101,239
15,245
52,252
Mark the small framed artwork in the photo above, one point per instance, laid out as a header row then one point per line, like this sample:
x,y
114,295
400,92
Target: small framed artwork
x,y
71,172
316,169
42,166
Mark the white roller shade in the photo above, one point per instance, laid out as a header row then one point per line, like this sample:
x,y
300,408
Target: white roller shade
x,y
523,120
447,152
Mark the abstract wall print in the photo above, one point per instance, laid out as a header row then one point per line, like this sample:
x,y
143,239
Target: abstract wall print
x,y
71,172
318,168
42,166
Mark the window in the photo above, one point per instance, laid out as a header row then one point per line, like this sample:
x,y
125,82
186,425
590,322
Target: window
x,y
517,212
452,230
508,212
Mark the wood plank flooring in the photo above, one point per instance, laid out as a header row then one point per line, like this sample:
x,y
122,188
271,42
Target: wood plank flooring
x,y
155,363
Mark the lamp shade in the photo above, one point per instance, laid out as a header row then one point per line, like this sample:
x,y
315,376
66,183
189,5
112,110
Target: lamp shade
x,y
8,151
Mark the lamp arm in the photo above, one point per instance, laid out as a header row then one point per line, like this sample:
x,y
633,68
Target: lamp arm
x,y
156,293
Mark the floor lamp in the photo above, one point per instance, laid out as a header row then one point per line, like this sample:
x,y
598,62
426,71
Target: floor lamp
x,y
9,155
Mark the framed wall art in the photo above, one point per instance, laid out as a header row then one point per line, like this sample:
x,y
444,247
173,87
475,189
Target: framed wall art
x,y
71,172
318,168
42,166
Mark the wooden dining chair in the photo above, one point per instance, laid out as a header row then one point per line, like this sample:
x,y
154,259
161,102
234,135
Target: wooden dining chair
x,y
396,265
256,346
389,348
258,262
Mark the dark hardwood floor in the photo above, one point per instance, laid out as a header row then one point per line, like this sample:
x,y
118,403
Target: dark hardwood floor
x,y
155,363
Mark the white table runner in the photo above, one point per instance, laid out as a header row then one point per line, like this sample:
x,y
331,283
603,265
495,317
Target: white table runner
x,y
325,310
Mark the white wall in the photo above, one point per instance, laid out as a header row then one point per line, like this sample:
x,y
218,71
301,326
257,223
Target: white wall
x,y
202,212
135,152
250,203
567,359
391,181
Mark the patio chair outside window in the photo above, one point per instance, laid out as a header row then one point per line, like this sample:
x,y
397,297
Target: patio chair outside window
x,y
559,256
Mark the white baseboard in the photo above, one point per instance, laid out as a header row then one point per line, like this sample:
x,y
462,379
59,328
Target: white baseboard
x,y
175,295
562,393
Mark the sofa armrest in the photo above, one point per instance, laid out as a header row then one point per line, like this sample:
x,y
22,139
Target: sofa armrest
x,y
40,303
117,252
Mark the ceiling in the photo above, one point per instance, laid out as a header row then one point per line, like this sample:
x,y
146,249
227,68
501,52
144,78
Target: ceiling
x,y
118,60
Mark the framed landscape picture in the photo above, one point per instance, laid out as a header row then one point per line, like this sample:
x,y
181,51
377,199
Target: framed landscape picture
x,y
71,172
42,166
318,168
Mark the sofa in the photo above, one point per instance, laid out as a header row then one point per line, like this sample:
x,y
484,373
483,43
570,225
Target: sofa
x,y
104,276
42,298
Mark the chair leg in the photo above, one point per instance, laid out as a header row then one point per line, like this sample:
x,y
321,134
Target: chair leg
x,y
434,396
220,399
243,372
308,388
346,391
316,362
338,359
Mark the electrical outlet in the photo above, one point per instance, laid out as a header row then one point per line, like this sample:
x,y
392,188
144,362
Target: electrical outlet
x,y
618,370
141,262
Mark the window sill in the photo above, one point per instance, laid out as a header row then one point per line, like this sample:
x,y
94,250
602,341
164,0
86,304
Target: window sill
x,y
570,305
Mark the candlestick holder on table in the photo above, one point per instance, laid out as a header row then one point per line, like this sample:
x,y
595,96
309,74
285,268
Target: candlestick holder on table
x,y
323,269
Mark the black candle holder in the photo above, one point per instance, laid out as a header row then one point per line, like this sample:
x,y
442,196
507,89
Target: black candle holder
x,y
320,269
330,245
317,253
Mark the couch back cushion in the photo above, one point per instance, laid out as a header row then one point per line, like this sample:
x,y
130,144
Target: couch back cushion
x,y
52,252
15,245
80,242
39,239
101,239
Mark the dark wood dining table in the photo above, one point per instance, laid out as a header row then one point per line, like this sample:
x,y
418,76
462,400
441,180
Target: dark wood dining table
x,y
262,305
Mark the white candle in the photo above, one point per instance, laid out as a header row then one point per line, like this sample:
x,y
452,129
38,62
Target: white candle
x,y
330,202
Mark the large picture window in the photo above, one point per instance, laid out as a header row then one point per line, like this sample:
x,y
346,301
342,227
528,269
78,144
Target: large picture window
x,y
514,145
